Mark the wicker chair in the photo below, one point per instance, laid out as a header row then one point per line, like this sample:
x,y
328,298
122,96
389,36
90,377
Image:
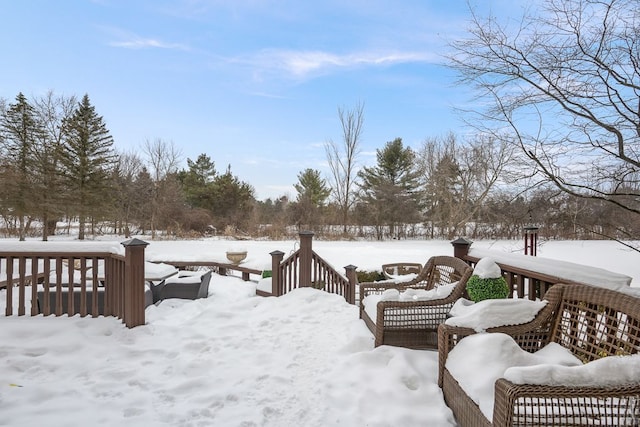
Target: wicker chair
x,y
391,271
414,324
592,323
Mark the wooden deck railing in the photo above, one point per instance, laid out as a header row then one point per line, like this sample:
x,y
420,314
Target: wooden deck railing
x,y
121,278
530,277
305,268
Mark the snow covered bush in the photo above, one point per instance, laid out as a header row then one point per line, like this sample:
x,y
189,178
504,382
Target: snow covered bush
x,y
487,281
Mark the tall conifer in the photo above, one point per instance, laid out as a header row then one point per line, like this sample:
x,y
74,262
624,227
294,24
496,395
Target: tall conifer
x,y
87,158
20,131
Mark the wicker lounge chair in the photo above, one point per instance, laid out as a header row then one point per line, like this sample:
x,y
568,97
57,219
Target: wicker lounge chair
x,y
189,287
414,324
591,323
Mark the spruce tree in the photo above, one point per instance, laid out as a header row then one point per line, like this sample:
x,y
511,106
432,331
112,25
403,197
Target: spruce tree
x,y
20,132
87,158
197,182
312,187
391,189
310,202
233,201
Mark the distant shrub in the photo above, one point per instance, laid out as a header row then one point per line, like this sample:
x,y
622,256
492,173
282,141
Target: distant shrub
x,y
266,274
481,289
369,276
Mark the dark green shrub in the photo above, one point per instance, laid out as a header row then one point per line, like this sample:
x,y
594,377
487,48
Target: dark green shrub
x,y
369,276
266,274
481,289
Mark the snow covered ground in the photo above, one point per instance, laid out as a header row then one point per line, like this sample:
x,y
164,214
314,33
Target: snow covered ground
x,y
234,359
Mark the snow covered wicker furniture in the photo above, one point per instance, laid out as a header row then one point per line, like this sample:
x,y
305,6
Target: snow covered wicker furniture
x,y
409,322
187,287
392,271
589,322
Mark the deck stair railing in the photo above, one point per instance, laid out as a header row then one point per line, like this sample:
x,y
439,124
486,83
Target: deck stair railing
x,y
305,268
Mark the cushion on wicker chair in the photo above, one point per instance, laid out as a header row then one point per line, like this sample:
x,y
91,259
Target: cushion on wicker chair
x,y
480,359
190,287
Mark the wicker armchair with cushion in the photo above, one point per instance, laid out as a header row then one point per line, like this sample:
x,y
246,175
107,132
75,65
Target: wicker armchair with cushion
x,y
598,327
411,320
187,287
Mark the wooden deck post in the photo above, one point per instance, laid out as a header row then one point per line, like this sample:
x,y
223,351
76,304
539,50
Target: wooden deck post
x,y
276,280
531,240
134,282
350,271
306,255
461,247
9,274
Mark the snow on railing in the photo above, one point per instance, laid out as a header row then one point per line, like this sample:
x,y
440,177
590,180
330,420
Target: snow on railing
x,y
530,276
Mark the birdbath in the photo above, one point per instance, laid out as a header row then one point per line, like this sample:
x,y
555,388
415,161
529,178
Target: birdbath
x,y
236,257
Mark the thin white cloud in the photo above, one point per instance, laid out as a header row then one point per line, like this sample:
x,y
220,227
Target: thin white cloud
x,y
129,40
305,64
143,43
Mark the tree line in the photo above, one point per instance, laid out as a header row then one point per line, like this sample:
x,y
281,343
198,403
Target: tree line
x,y
555,143
58,162
444,189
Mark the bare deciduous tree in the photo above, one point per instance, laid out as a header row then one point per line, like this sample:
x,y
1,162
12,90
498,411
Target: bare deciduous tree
x,y
566,83
129,199
52,111
163,158
342,159
459,178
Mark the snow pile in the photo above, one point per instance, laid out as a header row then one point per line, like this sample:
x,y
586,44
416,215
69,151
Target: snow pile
x,y
612,371
491,313
231,359
562,270
487,268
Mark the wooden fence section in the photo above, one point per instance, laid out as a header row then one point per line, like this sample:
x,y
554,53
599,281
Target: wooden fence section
x,y
78,274
305,268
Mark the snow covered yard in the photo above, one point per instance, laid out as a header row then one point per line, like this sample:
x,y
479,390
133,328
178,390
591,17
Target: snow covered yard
x,y
232,359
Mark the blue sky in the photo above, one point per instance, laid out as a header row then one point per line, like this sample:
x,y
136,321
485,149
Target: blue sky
x,y
252,83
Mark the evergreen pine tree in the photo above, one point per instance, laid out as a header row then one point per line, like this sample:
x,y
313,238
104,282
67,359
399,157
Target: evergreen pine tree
x,y
87,158
391,189
312,195
233,201
20,132
312,187
197,182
